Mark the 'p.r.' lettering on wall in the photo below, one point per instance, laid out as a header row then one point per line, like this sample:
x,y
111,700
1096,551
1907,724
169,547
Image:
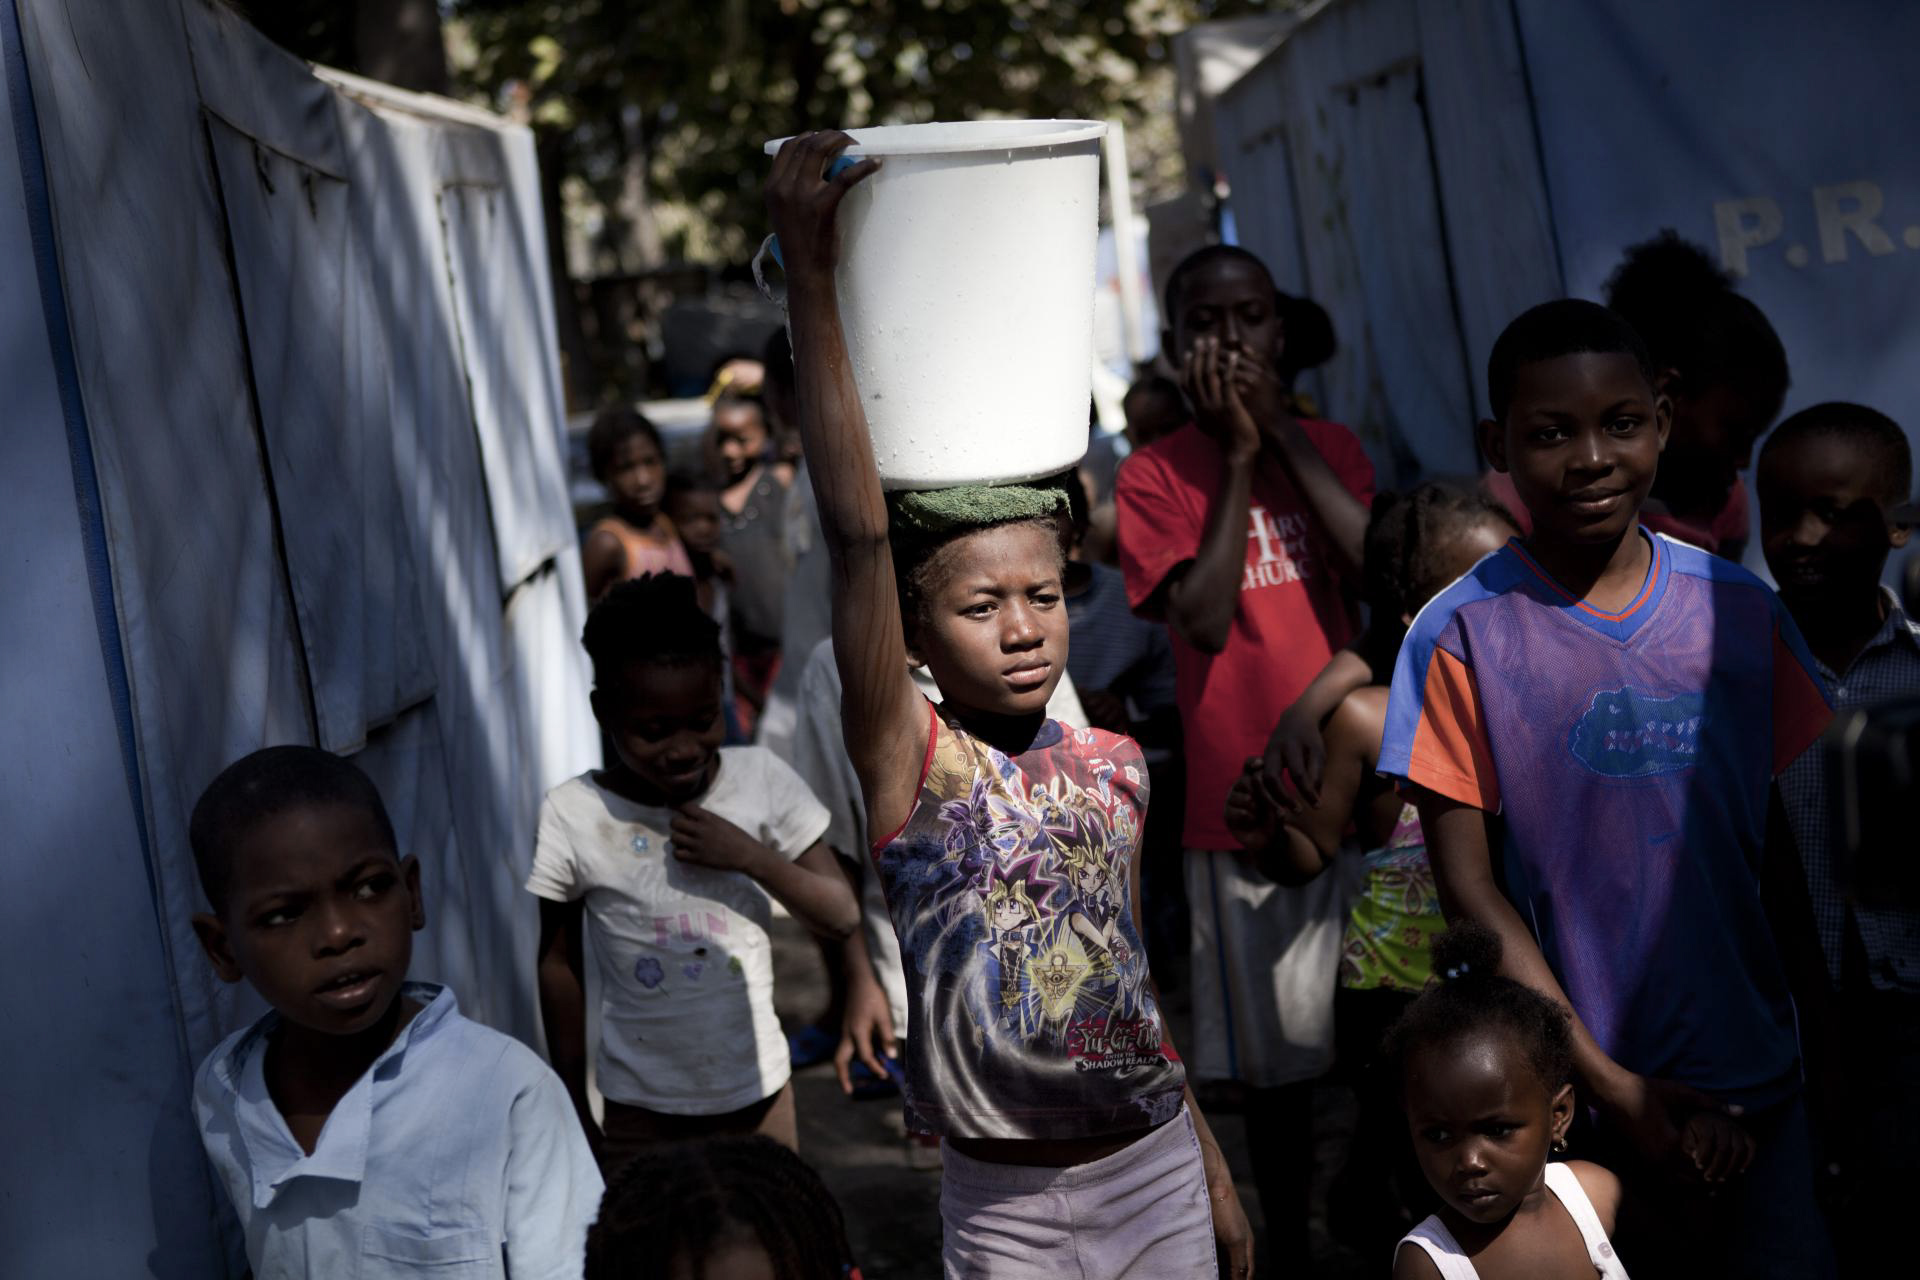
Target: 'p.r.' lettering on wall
x,y
1847,218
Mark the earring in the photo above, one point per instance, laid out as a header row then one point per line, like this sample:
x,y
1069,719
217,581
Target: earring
x,y
1560,1145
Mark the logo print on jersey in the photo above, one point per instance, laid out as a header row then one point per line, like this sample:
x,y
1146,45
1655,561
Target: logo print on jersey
x,y
1629,734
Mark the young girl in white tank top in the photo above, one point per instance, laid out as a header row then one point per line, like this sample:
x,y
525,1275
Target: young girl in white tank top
x,y
1486,1068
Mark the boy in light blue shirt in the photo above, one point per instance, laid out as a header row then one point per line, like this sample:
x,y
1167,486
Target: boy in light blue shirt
x,y
364,1127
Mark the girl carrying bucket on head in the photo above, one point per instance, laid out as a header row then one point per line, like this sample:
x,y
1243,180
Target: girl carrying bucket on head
x,y
1072,1145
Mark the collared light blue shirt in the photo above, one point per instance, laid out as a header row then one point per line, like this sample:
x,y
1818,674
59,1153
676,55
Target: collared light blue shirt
x,y
456,1156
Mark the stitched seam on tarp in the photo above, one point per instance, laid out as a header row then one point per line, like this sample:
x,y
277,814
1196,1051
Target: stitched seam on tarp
x,y
454,285
86,479
1539,143
258,424
86,487
1446,240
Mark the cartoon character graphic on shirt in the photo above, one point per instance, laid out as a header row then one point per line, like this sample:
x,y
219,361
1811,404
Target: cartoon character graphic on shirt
x,y
1095,901
1060,977
1047,904
1012,941
1093,884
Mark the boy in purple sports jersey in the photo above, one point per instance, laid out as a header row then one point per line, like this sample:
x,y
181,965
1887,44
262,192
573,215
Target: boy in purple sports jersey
x,y
1621,702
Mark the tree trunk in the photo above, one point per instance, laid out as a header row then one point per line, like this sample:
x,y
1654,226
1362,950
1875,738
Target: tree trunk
x,y
640,248
399,41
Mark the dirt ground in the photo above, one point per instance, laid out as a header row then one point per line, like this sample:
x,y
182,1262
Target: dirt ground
x,y
892,1208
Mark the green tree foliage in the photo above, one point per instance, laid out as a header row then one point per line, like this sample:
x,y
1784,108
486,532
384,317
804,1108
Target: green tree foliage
x,y
659,108
649,115
398,41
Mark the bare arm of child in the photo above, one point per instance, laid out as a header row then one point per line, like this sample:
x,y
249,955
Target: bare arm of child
x,y
811,886
563,1004
603,562
1281,852
1232,1235
866,1031
1250,819
885,716
1410,1262
1463,871
1293,843
1719,1146
1296,749
1603,1191
1315,832
1343,516
1199,597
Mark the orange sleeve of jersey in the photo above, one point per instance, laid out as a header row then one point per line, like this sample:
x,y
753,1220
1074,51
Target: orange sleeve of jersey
x,y
1450,754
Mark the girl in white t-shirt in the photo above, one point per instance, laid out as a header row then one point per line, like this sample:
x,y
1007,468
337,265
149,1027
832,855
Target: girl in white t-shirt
x,y
670,857
1486,1072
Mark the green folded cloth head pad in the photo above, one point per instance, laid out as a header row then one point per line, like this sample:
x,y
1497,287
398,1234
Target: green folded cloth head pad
x,y
934,512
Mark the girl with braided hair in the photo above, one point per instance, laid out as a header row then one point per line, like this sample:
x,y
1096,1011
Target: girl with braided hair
x,y
1071,1146
719,1209
1415,545
1484,1068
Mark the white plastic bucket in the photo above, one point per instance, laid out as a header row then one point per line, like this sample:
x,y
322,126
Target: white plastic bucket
x,y
966,290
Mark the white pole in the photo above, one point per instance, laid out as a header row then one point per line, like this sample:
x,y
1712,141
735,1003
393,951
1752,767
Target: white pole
x,y
1126,244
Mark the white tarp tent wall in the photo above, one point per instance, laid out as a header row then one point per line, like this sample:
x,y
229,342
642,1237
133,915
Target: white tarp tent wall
x,y
1428,170
1207,58
283,463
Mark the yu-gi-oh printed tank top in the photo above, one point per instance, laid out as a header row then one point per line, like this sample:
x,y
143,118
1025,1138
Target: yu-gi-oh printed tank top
x,y
1030,1014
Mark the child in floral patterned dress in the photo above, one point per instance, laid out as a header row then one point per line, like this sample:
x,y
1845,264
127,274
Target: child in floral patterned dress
x,y
1036,1047
1416,544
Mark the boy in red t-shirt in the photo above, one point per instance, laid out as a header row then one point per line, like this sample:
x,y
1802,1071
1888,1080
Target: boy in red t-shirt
x,y
1237,531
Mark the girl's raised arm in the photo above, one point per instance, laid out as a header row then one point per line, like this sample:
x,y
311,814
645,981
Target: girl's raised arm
x,y
885,718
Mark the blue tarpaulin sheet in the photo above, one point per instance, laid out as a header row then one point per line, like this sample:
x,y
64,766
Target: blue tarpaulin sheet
x,y
1778,134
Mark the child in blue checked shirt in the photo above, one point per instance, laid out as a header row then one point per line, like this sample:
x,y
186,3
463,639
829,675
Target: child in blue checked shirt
x,y
1832,480
1622,701
364,1127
